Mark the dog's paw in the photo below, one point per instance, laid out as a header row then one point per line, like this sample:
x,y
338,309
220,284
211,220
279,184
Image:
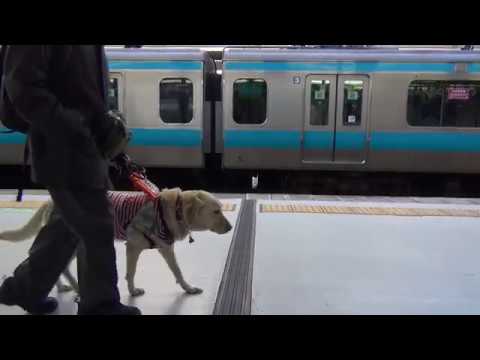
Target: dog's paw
x,y
193,291
64,288
137,292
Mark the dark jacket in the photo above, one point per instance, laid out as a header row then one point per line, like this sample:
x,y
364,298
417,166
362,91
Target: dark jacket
x,y
61,91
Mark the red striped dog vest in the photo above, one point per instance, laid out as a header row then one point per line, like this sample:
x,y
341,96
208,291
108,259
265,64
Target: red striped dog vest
x,y
126,206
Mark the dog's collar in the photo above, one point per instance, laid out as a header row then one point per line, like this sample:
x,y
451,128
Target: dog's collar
x,y
179,215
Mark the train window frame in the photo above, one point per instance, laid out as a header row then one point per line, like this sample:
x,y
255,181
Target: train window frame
x,y
360,100
448,82
328,99
120,89
266,102
160,100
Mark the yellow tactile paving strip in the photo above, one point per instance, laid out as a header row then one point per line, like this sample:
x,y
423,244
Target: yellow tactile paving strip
x,y
21,205
227,207
320,209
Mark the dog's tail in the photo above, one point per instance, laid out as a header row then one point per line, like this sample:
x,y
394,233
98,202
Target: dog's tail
x,y
30,229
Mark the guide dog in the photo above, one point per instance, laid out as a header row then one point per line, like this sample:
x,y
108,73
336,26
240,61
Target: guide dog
x,y
150,224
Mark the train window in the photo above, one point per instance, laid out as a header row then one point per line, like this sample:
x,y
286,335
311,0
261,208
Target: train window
x,y
444,103
250,101
319,101
424,103
352,102
176,100
112,100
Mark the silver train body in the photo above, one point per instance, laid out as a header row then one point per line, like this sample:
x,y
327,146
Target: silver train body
x,y
374,110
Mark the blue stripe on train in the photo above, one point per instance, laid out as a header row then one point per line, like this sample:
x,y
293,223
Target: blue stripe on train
x,y
350,141
291,140
155,65
381,141
292,66
318,140
167,137
357,67
473,68
403,141
141,137
13,138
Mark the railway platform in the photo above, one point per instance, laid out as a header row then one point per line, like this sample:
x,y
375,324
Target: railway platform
x,y
303,255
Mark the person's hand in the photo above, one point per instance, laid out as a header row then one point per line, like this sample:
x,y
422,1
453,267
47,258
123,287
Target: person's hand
x,y
115,140
126,166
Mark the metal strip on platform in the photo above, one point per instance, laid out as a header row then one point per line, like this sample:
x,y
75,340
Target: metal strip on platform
x,y
360,210
235,292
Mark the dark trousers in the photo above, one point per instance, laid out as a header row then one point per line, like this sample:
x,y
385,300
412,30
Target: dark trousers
x,y
82,221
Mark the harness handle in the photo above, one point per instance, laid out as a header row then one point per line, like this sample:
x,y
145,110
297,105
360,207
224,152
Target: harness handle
x,y
141,183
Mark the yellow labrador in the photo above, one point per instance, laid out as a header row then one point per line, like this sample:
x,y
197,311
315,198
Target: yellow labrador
x,y
156,224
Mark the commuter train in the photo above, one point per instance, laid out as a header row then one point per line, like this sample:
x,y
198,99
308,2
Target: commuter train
x,y
296,108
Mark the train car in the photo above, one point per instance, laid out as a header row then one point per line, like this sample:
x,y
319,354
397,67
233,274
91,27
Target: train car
x,y
161,92
295,108
351,109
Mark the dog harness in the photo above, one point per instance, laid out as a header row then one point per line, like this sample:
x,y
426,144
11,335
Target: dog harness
x,y
127,205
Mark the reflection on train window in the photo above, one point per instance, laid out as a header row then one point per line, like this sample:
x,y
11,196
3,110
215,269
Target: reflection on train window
x,y
444,103
319,100
113,94
176,101
250,101
352,102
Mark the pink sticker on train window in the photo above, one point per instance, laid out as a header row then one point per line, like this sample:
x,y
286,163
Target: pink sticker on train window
x,y
458,93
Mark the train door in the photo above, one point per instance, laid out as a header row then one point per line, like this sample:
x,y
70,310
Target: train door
x,y
319,127
335,119
351,120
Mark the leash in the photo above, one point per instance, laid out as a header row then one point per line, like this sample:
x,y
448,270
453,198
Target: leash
x,y
137,176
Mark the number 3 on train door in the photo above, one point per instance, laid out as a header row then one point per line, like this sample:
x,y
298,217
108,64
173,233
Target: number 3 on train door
x,y
335,119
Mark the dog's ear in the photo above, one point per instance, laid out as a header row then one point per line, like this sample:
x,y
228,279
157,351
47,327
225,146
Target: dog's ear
x,y
195,202
193,205
199,201
189,207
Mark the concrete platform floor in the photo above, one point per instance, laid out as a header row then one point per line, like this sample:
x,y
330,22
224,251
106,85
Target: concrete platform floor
x,y
360,264
313,263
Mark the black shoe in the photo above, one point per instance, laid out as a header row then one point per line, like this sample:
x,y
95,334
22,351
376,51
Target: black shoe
x,y
46,306
5,295
111,309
